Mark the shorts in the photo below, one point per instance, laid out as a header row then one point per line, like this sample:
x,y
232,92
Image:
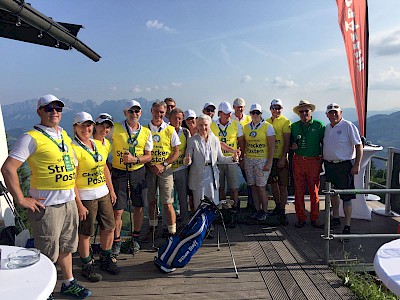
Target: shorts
x,y
230,172
100,209
137,185
163,183
55,229
279,175
254,171
340,176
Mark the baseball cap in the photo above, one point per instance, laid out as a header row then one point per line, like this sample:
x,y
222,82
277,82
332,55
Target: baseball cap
x,y
47,99
209,104
239,102
131,103
277,102
225,107
189,114
82,117
333,106
255,106
103,117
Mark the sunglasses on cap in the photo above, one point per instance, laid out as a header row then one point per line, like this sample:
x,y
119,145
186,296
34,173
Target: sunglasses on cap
x,y
210,109
330,106
255,112
48,108
131,111
105,117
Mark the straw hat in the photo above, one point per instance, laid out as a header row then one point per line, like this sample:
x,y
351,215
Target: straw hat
x,y
302,104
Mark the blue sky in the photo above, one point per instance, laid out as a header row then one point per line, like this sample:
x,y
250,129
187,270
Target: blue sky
x,y
198,51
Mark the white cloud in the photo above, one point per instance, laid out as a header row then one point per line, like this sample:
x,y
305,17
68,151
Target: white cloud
x,y
176,84
282,83
155,24
56,89
148,89
137,89
386,43
246,78
386,79
225,55
113,88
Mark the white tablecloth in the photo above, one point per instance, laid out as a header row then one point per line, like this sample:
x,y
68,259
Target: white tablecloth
x,y
32,282
387,265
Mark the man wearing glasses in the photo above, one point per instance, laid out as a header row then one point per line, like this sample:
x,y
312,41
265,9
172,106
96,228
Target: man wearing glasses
x,y
307,135
170,107
343,151
279,176
52,210
209,109
131,149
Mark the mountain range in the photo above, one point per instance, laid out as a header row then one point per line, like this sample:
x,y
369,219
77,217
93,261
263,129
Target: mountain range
x,y
382,126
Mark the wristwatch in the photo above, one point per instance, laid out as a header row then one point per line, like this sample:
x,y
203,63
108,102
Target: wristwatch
x,y
165,164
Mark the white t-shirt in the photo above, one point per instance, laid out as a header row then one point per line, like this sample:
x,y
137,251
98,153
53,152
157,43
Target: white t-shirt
x,y
25,147
339,141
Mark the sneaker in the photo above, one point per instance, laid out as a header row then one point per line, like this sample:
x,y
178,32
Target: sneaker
x,y
136,244
116,248
346,230
275,212
76,290
262,216
254,216
109,264
89,273
335,222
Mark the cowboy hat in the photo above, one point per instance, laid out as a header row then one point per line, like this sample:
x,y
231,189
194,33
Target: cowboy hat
x,y
302,104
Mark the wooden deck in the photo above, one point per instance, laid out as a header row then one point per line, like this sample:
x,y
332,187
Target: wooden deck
x,y
274,262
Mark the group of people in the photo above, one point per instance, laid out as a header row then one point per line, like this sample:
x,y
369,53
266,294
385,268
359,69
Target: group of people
x,y
72,185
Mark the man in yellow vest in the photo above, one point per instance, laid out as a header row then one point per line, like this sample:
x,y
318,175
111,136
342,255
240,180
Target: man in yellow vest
x,y
131,149
51,203
159,174
279,176
229,133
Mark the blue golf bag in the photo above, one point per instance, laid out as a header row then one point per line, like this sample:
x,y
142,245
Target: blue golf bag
x,y
177,251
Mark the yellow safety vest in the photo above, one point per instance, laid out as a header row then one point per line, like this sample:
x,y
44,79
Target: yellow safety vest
x,y
256,140
48,171
162,147
228,136
120,145
281,126
90,173
182,148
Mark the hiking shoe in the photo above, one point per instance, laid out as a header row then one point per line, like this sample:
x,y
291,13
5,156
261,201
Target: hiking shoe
x,y
89,273
282,218
262,216
116,248
335,222
136,244
109,264
76,290
275,212
346,230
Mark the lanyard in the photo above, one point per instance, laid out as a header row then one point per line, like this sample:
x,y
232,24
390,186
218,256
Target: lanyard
x,y
252,127
62,148
159,128
223,131
95,155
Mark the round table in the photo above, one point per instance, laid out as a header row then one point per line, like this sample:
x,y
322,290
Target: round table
x,y
33,282
386,265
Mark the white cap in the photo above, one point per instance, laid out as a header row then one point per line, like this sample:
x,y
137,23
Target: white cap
x,y
189,114
131,103
255,106
47,99
103,117
333,106
277,102
225,107
209,104
82,117
239,102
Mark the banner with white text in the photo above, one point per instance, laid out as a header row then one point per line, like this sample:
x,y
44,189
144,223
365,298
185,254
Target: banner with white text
x,y
353,22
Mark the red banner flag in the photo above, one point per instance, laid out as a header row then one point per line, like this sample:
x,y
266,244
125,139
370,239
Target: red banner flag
x,y
353,22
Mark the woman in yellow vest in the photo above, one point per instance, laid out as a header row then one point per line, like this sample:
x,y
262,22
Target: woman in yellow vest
x,y
258,157
93,189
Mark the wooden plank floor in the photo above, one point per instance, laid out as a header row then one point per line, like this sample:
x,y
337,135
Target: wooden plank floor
x,y
281,262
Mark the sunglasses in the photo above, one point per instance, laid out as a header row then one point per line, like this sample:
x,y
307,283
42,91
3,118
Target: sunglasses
x,y
190,118
333,106
304,111
171,105
51,108
131,111
210,109
276,108
255,112
106,117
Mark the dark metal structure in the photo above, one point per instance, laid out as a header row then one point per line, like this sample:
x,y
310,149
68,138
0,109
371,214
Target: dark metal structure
x,y
20,21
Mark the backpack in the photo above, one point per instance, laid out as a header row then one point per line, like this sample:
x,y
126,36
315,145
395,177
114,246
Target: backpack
x,y
177,251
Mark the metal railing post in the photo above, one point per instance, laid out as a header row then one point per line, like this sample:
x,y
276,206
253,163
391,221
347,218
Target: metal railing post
x,y
327,228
